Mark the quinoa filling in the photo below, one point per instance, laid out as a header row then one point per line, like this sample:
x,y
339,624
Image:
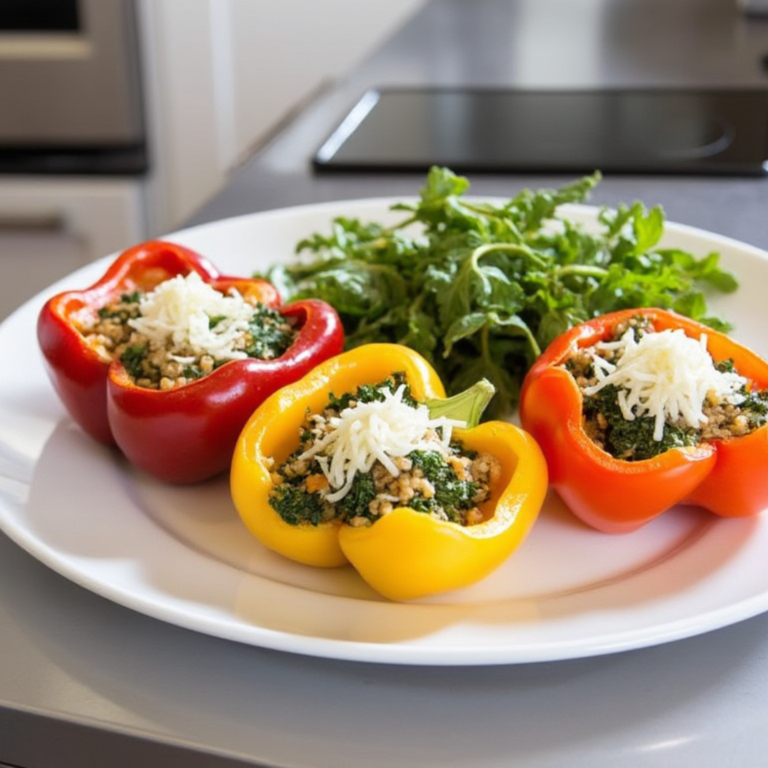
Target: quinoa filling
x,y
169,359
733,410
437,477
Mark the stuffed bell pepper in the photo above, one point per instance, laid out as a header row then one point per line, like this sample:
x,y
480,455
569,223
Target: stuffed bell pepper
x,y
167,358
364,461
642,409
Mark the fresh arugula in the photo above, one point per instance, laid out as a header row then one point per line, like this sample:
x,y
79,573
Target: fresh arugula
x,y
481,289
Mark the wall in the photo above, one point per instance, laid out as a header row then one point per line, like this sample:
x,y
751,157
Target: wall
x,y
222,74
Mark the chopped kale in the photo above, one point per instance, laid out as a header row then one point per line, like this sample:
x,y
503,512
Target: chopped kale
x,y
452,495
726,366
133,360
368,393
297,506
124,309
755,404
357,502
271,335
192,372
755,408
633,440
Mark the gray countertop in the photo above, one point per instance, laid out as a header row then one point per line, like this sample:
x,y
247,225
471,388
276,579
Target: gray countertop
x,y
85,682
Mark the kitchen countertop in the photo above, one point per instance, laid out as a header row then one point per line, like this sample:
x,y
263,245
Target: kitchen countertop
x,y
85,682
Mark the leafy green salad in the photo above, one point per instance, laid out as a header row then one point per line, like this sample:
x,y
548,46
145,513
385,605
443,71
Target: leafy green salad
x,y
481,288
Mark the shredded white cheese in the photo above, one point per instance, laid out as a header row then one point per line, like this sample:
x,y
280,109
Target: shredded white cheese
x,y
666,376
179,312
376,431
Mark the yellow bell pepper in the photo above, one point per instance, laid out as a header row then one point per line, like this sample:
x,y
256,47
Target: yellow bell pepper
x,y
405,554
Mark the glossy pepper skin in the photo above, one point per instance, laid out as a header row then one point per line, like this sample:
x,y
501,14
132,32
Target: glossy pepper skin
x,y
405,554
186,434
728,477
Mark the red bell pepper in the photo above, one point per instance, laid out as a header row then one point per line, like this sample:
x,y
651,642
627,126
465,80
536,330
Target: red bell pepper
x,y
729,477
186,434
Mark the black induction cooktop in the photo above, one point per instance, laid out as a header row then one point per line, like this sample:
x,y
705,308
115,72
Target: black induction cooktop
x,y
687,131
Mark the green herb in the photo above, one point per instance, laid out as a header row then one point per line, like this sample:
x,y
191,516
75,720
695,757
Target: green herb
x,y
452,495
755,408
192,372
215,320
297,506
133,360
357,502
480,289
271,335
755,404
368,393
633,440
122,310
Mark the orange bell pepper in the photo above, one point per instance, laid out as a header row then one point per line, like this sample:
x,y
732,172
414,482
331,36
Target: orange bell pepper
x,y
729,477
405,554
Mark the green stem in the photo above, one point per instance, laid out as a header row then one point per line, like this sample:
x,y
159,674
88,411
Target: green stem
x,y
466,406
485,348
520,250
581,270
400,225
535,348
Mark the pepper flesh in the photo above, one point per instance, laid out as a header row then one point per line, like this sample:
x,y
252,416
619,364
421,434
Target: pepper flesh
x,y
728,477
186,434
405,554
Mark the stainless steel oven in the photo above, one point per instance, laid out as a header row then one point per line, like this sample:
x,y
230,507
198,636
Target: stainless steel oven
x,y
73,145
70,88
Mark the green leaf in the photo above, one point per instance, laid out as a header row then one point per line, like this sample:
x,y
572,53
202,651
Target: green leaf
x,y
462,328
491,288
420,333
452,292
443,183
354,288
552,324
691,304
648,228
724,282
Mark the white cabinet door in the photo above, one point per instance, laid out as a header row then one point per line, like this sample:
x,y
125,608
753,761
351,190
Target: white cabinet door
x,y
50,227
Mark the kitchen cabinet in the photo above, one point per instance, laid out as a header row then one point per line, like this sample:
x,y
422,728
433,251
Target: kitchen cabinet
x,y
51,226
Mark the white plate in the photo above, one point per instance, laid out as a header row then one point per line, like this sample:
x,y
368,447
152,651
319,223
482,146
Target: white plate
x,y
182,555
